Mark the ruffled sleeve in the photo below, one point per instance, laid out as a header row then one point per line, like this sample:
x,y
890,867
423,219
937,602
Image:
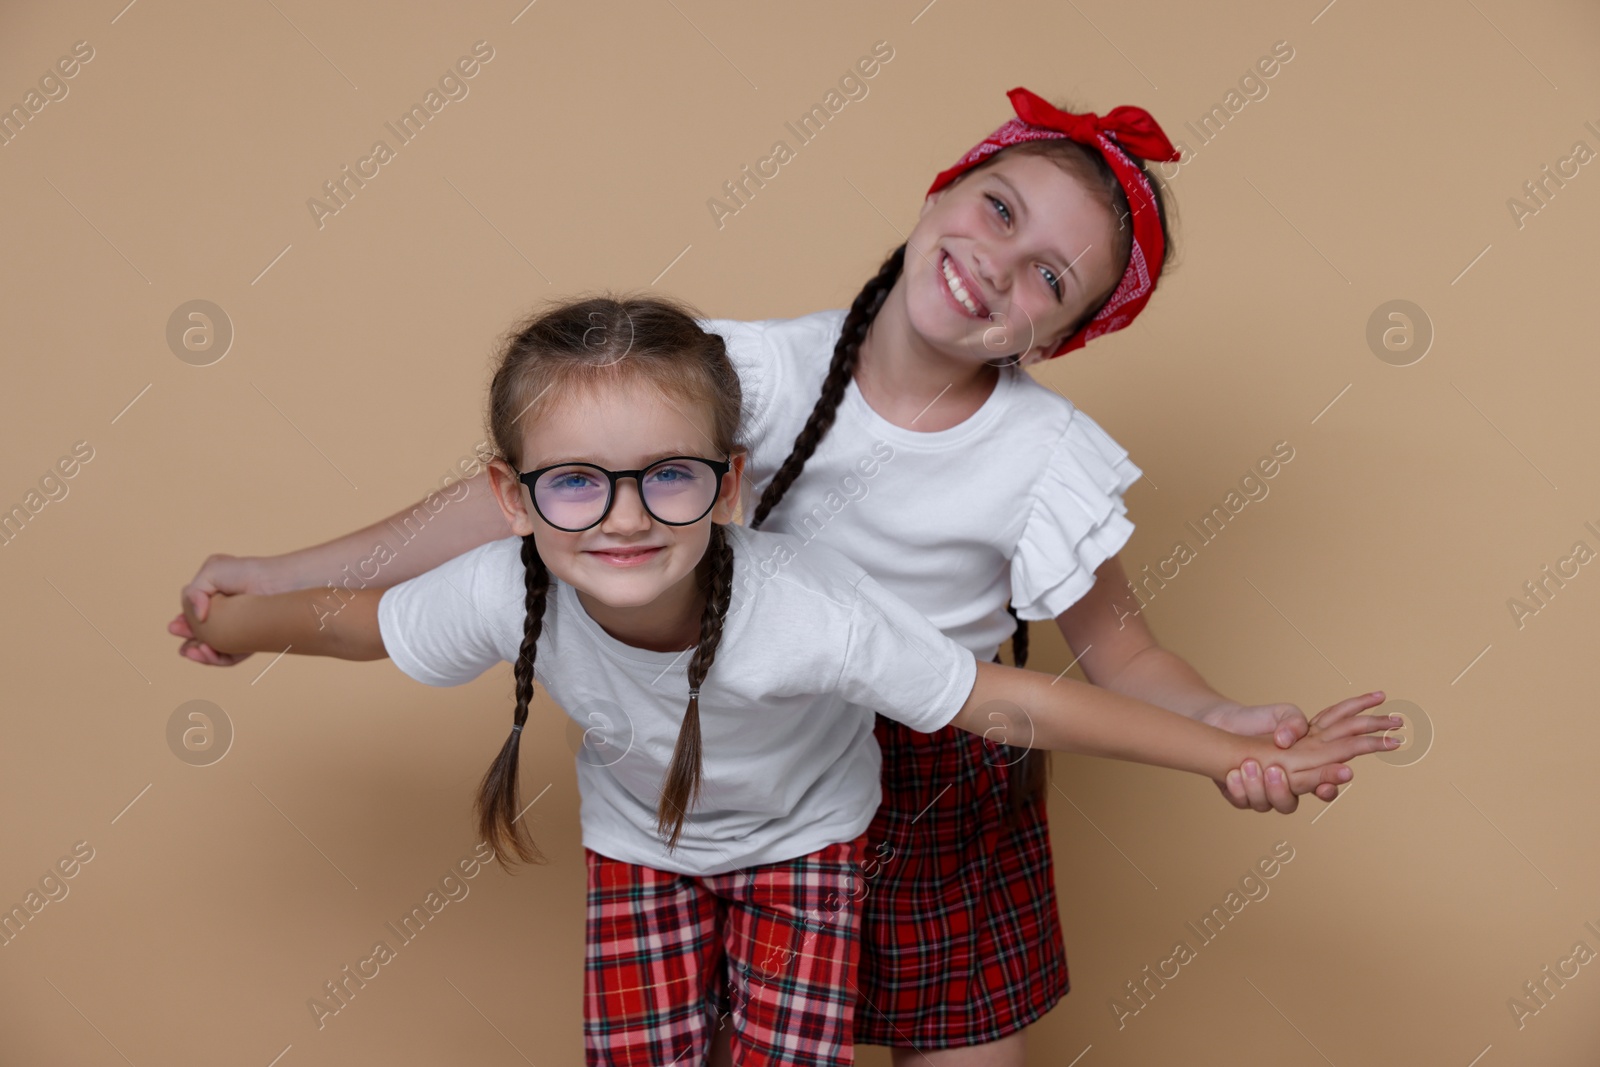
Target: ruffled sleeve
x,y
1076,520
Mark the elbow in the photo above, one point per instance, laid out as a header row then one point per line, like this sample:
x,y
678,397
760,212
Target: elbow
x,y
357,646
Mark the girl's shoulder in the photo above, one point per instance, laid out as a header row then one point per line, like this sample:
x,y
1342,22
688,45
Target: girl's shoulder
x,y
822,624
777,358
801,334
1058,427
495,559
780,572
790,611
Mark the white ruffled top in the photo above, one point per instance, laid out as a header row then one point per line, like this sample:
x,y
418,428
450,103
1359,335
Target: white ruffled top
x,y
1022,501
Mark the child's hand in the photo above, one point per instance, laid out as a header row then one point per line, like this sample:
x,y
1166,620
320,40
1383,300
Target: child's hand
x,y
1284,722
1336,729
1266,789
1250,787
219,574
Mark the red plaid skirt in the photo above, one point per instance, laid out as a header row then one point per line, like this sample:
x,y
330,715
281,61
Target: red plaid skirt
x,y
962,941
773,948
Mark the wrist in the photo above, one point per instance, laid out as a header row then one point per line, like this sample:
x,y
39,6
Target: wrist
x,y
227,623
1214,713
269,575
208,629
1241,748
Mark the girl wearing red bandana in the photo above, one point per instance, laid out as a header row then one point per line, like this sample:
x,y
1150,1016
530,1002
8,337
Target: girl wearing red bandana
x,y
904,433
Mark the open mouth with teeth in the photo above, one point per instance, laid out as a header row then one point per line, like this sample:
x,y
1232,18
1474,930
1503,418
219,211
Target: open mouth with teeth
x,y
958,289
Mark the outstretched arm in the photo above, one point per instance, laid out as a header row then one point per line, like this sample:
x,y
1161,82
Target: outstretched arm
x,y
311,622
1106,628
410,542
1021,707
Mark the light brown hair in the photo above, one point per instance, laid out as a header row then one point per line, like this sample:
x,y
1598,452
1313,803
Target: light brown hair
x,y
596,343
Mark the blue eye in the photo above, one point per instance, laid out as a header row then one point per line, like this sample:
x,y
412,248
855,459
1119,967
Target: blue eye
x,y
1052,280
671,475
569,481
1000,207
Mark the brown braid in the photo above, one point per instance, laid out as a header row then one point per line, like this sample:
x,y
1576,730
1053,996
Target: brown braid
x,y
1032,770
682,785
840,371
570,348
499,801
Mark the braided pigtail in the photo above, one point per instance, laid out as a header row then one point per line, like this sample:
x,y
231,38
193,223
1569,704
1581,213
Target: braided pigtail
x,y
499,802
1019,639
682,785
1030,772
845,352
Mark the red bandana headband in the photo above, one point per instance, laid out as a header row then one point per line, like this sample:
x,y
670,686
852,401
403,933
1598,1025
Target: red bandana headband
x,y
1123,130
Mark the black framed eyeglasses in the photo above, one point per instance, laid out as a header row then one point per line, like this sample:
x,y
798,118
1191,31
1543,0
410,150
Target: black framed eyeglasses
x,y
676,491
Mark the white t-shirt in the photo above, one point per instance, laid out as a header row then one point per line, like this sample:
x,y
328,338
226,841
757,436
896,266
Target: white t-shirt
x,y
811,647
1023,500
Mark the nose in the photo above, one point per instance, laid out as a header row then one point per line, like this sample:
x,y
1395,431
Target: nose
x,y
627,514
993,266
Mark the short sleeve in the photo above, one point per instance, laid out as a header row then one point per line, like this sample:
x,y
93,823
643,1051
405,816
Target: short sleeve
x,y
900,665
436,627
1076,520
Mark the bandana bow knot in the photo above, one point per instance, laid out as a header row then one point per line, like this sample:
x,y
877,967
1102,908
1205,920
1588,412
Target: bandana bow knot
x,y
1135,131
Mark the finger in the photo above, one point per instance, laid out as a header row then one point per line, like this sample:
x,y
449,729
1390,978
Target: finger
x,y
1255,787
1348,748
201,652
1316,779
1362,724
1279,795
1291,728
1323,782
201,599
1236,793
1222,788
1345,708
179,627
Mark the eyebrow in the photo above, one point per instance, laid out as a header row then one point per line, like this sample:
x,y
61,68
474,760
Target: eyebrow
x,y
651,458
1023,204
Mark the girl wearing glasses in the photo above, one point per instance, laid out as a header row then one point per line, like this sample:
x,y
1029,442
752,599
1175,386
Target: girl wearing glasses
x,y
726,841
904,433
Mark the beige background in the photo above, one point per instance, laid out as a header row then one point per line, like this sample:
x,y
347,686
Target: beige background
x,y
1420,499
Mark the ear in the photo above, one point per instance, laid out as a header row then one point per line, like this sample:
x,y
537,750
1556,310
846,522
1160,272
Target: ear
x,y
512,495
728,494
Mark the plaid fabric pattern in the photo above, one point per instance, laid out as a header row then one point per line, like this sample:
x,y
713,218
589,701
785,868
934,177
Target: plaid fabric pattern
x,y
962,941
773,948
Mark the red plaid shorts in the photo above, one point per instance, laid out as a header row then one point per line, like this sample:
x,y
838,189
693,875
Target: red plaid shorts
x,y
961,938
668,954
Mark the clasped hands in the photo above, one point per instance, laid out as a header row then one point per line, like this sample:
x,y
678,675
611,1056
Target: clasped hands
x,y
1271,789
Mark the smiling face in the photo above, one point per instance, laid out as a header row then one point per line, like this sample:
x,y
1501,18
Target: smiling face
x,y
1012,255
634,575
